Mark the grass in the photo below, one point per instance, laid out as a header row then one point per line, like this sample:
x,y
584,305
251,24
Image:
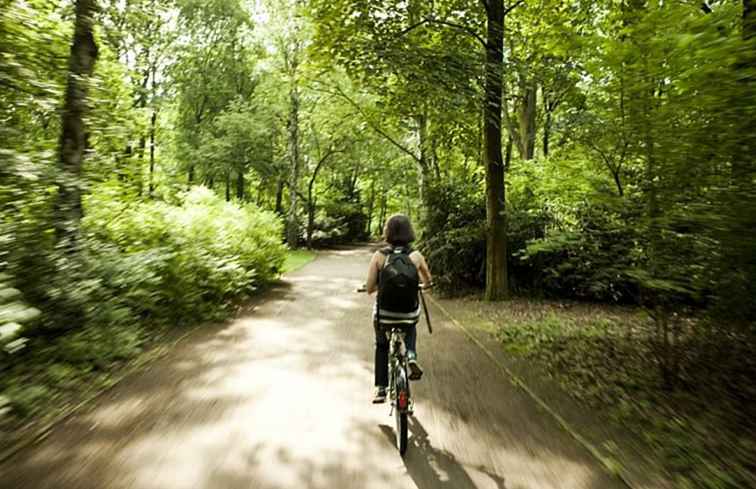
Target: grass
x,y
701,429
296,259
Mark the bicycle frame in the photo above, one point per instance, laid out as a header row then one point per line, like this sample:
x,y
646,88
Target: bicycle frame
x,y
399,385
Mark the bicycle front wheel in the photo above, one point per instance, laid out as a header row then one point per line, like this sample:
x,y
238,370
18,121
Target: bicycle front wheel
x,y
401,432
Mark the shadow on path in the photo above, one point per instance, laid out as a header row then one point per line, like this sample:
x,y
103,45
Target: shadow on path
x,y
434,468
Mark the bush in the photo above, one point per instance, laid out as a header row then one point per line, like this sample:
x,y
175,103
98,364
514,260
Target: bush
x,y
453,237
185,261
588,261
140,265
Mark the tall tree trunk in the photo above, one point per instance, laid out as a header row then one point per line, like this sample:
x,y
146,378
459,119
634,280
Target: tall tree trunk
x,y
292,227
140,168
73,138
496,234
371,209
382,217
527,121
153,128
424,167
310,219
153,124
228,187
546,133
240,186
279,196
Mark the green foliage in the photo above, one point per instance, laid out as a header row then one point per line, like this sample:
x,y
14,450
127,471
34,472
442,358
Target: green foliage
x,y
453,239
591,260
185,259
140,263
15,316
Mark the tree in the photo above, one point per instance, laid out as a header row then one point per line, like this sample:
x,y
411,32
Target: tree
x,y
73,137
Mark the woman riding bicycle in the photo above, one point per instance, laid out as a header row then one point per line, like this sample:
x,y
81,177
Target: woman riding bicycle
x,y
399,234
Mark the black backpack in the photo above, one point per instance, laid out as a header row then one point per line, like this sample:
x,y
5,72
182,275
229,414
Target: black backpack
x,y
398,282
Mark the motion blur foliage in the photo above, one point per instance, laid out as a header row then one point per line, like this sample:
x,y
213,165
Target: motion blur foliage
x,y
141,266
183,261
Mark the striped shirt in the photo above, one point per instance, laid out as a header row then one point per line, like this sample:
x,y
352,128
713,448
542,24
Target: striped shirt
x,y
390,317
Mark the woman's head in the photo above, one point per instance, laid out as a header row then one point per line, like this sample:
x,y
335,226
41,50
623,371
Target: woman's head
x,y
398,231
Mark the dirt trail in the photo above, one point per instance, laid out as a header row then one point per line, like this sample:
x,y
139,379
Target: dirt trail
x,y
280,398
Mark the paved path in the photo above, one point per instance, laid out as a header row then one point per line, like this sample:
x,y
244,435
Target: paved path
x,y
280,398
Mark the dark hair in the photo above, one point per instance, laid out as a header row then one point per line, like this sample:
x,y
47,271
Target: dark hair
x,y
398,230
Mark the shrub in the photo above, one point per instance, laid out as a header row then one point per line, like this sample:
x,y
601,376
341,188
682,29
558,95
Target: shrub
x,y
140,265
453,237
181,261
587,261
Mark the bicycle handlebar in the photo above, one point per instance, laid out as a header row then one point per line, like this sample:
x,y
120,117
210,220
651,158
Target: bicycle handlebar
x,y
363,287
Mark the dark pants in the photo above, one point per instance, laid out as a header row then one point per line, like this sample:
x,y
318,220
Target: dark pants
x,y
382,350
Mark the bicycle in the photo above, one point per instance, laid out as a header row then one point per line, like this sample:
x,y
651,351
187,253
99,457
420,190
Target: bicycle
x,y
400,395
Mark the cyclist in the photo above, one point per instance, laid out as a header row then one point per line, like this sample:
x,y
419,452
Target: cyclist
x,y
399,235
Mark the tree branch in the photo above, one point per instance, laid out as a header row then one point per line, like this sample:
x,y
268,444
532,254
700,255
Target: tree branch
x,y
461,27
406,31
509,9
374,126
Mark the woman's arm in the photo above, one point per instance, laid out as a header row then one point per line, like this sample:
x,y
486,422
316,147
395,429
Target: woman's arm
x,y
425,272
373,269
422,268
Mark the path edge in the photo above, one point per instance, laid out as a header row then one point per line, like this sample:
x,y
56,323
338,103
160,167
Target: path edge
x,y
611,466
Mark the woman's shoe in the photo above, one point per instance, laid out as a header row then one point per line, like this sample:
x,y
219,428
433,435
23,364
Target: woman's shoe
x,y
380,395
415,371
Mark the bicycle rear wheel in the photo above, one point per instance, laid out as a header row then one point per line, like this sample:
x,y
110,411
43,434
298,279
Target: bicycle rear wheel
x,y
401,405
401,432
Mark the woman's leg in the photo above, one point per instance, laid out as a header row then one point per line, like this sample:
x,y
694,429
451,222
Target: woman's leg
x,y
411,341
381,356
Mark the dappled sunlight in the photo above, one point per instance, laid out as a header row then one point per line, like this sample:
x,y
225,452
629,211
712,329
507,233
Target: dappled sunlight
x,y
280,398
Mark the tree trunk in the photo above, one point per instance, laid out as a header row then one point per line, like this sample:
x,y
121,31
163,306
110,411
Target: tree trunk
x,y
73,138
140,169
496,237
371,209
310,220
546,133
384,209
423,167
279,196
292,227
153,128
508,154
228,187
153,123
527,122
241,191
